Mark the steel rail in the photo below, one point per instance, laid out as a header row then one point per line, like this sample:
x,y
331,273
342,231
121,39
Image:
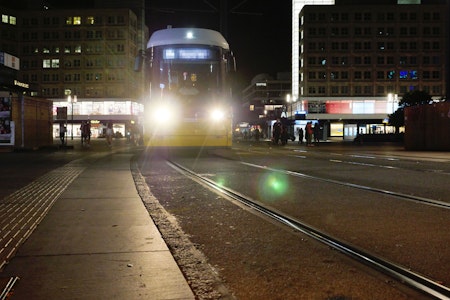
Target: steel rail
x,y
396,271
422,200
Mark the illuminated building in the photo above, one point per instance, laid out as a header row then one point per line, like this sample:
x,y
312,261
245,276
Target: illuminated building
x,y
351,61
84,52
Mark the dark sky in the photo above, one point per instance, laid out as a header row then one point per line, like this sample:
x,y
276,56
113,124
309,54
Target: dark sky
x,y
259,34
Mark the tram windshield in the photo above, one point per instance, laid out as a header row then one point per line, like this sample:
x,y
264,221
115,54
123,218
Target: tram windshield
x,y
189,79
189,74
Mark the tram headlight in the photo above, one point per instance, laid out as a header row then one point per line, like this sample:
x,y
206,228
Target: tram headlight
x,y
217,115
159,114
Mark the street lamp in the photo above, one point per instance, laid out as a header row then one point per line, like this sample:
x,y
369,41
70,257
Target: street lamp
x,y
72,101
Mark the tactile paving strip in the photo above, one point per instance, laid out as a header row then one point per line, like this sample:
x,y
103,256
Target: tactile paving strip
x,y
21,212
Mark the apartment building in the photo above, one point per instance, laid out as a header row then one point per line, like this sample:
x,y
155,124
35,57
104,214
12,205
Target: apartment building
x,y
356,60
81,59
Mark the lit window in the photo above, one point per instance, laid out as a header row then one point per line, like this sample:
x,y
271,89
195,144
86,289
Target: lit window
x,y
78,49
46,63
4,19
403,74
55,63
91,20
76,20
12,20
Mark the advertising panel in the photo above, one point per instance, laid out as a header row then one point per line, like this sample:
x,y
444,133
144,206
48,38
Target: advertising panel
x,y
5,121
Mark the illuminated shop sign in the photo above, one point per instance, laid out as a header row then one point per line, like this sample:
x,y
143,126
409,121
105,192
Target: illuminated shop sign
x,y
21,84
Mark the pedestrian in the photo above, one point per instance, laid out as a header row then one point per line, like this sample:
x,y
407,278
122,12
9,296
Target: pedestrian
x,y
109,133
316,131
83,124
85,133
309,133
284,135
62,133
300,135
257,134
277,127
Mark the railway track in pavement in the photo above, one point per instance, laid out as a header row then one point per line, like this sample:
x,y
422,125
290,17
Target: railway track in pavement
x,y
398,272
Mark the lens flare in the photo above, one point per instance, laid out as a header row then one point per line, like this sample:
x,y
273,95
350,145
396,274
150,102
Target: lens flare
x,y
221,181
273,185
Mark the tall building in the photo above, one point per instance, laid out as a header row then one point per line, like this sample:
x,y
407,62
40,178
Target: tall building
x,y
81,58
355,60
297,6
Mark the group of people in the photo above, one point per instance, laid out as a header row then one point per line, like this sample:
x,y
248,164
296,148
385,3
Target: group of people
x,y
85,130
310,133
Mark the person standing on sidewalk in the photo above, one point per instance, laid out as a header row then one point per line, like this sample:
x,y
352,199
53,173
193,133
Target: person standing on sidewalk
x,y
109,133
316,133
85,133
300,135
309,134
62,133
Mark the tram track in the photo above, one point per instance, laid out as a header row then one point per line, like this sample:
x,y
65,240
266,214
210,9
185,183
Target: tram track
x,y
396,271
361,161
422,200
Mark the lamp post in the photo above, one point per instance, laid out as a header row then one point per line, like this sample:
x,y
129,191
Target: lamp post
x,y
72,101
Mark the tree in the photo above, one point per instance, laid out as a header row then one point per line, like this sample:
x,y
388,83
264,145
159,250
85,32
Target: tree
x,y
397,118
415,98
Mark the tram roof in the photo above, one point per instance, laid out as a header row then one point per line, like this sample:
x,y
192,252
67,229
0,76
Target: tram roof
x,y
200,36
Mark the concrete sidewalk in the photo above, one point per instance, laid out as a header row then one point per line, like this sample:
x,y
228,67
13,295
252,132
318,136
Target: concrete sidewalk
x,y
97,241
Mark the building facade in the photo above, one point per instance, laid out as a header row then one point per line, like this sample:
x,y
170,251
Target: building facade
x,y
82,59
355,61
265,100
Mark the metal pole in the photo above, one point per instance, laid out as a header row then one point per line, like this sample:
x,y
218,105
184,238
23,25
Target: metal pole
x,y
71,132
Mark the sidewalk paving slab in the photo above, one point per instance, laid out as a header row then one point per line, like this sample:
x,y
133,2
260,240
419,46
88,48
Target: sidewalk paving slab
x,y
97,242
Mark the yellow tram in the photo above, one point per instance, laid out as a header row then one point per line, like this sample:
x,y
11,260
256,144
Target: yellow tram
x,y
189,101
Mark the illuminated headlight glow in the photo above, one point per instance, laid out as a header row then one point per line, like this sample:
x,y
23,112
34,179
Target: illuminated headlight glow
x,y
217,115
161,113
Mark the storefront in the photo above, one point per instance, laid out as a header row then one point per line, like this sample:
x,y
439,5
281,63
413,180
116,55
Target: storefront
x,y
125,116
